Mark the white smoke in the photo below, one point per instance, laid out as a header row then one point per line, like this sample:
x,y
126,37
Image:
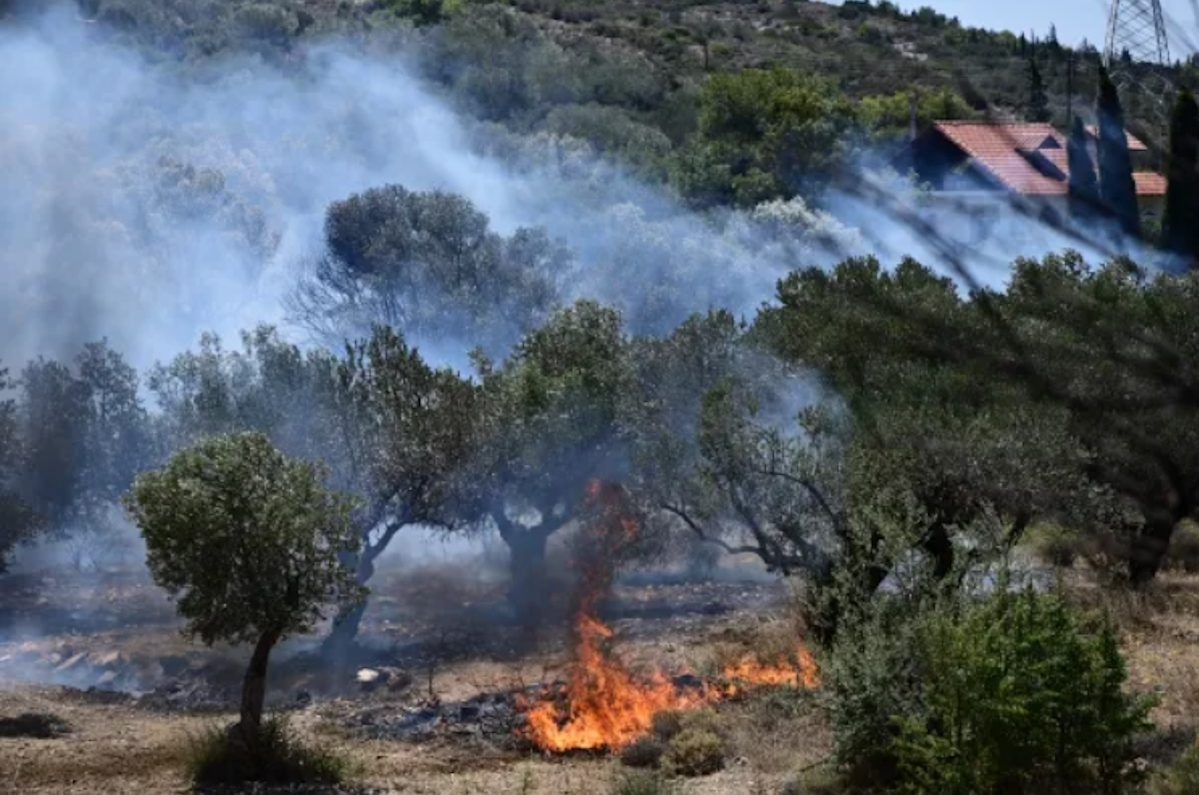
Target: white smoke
x,y
148,203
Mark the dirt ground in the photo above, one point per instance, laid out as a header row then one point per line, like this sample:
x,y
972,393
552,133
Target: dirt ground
x,y
116,630
120,623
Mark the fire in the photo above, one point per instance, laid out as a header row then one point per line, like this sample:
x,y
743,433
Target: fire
x,y
604,705
748,672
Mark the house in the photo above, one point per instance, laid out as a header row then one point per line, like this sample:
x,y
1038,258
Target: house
x,y
979,161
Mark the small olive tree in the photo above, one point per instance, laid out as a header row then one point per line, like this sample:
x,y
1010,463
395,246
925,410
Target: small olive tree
x,y
247,540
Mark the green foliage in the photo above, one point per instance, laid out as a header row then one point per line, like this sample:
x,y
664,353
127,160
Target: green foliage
x,y
888,116
273,755
1180,233
18,522
695,752
428,264
1117,190
1182,778
1036,107
1184,548
1056,545
1014,692
643,783
644,752
1084,182
1084,331
1020,694
245,538
763,135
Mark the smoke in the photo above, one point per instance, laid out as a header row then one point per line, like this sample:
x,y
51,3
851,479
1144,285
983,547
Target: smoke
x,y
148,203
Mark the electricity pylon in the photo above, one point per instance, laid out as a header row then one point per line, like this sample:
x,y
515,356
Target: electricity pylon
x,y
1137,56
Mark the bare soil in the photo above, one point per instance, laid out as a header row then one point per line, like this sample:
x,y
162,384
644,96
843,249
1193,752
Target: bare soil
x,y
104,654
444,642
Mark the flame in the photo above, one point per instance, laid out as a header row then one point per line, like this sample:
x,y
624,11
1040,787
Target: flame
x,y
603,704
750,673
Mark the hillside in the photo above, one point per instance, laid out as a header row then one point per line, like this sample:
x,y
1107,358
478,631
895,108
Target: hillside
x,y
638,65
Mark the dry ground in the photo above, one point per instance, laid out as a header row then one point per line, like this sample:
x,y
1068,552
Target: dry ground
x,y
128,747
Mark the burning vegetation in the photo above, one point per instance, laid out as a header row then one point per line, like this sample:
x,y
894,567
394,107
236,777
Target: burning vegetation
x,y
604,705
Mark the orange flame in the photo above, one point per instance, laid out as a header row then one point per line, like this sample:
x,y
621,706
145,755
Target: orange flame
x,y
603,705
749,673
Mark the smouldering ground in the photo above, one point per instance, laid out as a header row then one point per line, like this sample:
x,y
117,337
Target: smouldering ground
x,y
135,748
124,622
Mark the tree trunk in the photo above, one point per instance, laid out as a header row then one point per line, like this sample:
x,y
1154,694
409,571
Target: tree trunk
x,y
349,619
253,691
527,582
1148,548
939,547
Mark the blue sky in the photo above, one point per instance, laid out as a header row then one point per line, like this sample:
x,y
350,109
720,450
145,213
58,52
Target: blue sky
x,y
1075,19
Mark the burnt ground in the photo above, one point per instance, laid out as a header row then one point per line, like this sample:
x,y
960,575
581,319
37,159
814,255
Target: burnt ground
x,y
107,694
434,711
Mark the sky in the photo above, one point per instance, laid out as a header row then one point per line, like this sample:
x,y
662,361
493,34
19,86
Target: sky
x,y
1075,19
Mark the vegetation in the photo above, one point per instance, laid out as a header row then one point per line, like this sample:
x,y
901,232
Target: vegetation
x,y
873,430
1182,192
272,755
248,541
1117,190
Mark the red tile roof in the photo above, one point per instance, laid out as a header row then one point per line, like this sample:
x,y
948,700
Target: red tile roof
x,y
1009,152
1134,144
1149,184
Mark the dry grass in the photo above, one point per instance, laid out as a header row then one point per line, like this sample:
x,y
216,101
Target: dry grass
x,y
767,739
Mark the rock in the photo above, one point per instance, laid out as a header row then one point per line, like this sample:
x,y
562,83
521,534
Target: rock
x,y
368,679
108,659
107,678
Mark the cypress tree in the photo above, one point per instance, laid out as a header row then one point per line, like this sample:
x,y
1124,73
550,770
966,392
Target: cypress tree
x,y
1084,185
1180,225
1117,190
1038,101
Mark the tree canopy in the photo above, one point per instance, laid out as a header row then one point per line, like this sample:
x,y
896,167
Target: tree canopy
x,y
247,541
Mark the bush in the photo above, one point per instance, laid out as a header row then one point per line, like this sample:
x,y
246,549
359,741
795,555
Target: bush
x,y
1013,693
1184,549
1057,546
38,725
1021,695
642,783
274,756
1182,778
666,725
644,752
695,752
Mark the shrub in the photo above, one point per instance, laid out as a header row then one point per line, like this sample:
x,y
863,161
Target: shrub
x,y
695,752
38,725
644,752
1020,695
642,783
1182,778
1184,549
666,725
272,756
1057,546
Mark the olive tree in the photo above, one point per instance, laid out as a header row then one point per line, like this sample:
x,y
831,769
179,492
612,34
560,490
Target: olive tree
x,y
17,519
248,541
548,425
429,265
407,433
